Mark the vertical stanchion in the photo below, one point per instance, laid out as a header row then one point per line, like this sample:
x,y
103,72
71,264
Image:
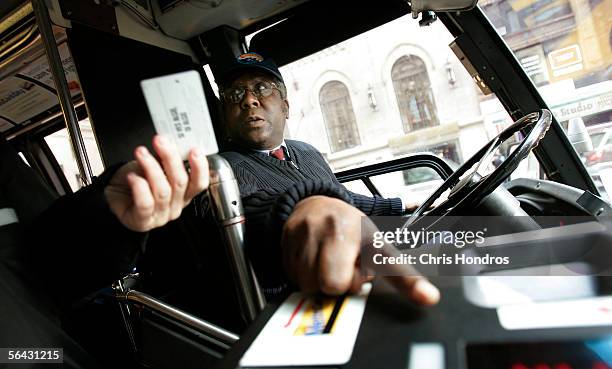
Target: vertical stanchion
x,y
62,90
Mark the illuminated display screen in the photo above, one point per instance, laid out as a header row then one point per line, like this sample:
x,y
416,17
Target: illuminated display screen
x,y
588,354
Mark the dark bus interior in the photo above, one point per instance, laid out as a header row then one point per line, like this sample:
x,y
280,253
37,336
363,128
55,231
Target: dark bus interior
x,y
108,46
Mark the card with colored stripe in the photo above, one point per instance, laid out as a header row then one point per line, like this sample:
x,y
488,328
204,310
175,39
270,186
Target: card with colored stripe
x,y
309,331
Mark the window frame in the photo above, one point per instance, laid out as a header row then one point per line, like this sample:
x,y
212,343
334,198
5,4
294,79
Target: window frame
x,y
408,123
350,126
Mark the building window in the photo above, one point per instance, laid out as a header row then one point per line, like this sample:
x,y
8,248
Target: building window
x,y
413,92
338,116
518,16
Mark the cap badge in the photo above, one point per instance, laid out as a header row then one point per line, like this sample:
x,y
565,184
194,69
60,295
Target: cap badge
x,y
250,58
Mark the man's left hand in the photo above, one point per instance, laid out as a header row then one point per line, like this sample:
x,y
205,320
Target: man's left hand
x,y
321,247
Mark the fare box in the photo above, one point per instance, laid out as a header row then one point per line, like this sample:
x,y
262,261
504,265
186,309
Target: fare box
x,y
179,111
585,312
307,330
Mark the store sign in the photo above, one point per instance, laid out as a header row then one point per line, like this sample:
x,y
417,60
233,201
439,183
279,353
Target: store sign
x,y
566,60
584,107
593,102
535,67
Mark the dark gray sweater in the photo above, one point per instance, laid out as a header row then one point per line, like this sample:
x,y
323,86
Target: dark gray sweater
x,y
257,171
270,189
44,269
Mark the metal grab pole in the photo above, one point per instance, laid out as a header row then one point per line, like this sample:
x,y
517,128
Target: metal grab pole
x,y
62,90
225,198
225,337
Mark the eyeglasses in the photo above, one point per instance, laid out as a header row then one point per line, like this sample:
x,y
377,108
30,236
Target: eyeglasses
x,y
260,90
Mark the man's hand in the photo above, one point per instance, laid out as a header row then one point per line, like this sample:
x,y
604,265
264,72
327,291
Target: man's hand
x,y
145,194
321,245
410,205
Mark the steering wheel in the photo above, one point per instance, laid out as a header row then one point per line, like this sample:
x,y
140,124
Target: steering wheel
x,y
473,188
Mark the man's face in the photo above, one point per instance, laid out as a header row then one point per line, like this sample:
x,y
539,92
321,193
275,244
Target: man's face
x,y
256,123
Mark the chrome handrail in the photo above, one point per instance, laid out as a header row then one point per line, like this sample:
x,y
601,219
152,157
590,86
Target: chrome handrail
x,y
223,336
63,92
228,211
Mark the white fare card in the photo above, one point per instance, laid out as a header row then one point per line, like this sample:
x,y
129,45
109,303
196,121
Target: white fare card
x,y
309,331
179,111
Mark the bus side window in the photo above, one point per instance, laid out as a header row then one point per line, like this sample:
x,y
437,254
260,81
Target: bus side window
x,y
59,143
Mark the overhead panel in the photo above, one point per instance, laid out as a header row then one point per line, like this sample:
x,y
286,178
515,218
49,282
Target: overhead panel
x,y
187,19
30,91
96,14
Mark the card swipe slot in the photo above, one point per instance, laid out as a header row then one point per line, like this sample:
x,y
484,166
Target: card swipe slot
x,y
332,318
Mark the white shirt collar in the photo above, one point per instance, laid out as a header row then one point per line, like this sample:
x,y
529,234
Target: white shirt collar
x,y
267,152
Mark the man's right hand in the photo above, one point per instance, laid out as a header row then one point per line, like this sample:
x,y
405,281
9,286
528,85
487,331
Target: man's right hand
x,y
321,245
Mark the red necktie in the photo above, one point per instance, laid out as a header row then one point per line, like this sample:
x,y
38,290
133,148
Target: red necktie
x,y
278,153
